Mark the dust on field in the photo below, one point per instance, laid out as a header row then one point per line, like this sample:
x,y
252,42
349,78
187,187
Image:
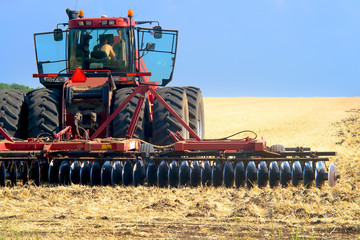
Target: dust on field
x,y
214,213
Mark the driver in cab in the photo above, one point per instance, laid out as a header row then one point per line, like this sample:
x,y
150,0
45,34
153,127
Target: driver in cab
x,y
104,46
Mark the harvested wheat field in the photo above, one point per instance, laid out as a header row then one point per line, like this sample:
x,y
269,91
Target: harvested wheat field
x,y
325,124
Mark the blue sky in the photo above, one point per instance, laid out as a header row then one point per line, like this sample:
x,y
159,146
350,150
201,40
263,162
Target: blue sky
x,y
233,48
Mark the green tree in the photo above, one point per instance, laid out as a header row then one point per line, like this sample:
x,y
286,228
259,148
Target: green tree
x,y
15,86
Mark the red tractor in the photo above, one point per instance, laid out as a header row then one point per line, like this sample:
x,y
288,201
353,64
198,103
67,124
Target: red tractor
x,y
106,117
97,64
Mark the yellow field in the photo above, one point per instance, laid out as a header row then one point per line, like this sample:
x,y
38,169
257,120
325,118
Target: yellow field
x,y
325,124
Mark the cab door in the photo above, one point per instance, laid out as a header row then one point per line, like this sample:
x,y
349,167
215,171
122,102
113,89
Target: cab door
x,y
50,53
157,53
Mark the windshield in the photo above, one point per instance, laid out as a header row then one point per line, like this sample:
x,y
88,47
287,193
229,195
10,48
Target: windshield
x,y
96,49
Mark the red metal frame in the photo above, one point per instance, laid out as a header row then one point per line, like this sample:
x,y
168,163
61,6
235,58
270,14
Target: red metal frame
x,y
111,145
5,135
221,145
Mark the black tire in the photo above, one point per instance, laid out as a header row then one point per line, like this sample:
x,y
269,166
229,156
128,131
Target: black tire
x,y
12,111
196,110
121,122
163,121
44,111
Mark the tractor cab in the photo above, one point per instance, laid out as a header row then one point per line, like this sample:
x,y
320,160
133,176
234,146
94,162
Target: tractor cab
x,y
107,44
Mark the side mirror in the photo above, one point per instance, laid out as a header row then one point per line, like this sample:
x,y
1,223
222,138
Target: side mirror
x,y
150,47
58,35
157,32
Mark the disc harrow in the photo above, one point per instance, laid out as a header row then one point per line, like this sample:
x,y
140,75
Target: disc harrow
x,y
130,162
64,159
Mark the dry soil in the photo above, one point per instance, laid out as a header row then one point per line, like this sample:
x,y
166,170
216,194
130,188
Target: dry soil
x,y
324,124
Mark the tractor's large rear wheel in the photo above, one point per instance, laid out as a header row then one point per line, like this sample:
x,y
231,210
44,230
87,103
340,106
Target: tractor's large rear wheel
x,y
163,121
12,112
44,111
196,110
121,122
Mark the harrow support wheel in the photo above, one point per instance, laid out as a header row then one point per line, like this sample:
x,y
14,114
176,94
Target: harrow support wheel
x,y
332,175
